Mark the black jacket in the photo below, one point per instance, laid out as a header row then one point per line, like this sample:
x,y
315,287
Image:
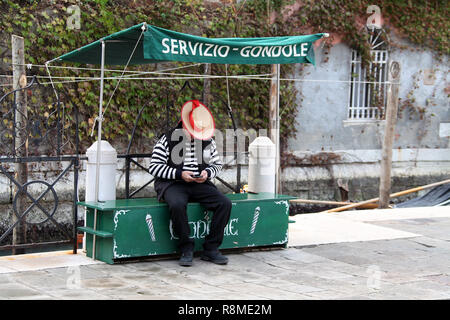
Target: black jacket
x,y
161,184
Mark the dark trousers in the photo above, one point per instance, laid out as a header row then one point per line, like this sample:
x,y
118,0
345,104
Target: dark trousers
x,y
179,194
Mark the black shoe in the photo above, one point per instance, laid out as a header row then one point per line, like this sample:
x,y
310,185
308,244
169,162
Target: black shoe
x,y
186,259
215,257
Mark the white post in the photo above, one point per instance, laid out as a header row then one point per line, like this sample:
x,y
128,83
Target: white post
x,y
99,140
261,165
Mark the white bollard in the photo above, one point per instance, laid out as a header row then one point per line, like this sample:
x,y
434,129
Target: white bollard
x,y
107,172
107,175
261,167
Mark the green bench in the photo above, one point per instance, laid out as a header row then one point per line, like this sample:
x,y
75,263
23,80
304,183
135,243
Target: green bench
x,y
137,228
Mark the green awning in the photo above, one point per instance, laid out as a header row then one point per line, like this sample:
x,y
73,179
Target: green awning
x,y
158,44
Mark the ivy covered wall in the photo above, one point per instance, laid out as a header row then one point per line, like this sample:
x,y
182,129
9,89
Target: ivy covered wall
x,y
45,27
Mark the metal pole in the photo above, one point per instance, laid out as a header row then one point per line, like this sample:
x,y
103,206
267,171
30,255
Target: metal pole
x,y
99,140
127,176
273,113
75,183
207,85
277,143
75,205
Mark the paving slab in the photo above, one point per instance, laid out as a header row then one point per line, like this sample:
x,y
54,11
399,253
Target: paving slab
x,y
44,260
394,214
262,291
378,258
16,290
435,228
321,228
76,294
39,280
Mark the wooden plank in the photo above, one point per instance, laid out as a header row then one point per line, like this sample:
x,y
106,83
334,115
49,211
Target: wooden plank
x,y
337,203
333,203
393,195
391,119
21,136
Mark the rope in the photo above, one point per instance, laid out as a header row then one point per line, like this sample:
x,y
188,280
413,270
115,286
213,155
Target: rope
x,y
100,117
57,97
123,72
245,77
136,74
51,80
96,69
187,76
228,87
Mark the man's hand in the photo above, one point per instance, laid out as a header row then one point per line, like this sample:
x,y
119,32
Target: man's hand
x,y
187,176
204,176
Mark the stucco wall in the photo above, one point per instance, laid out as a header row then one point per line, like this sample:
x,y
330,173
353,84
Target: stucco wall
x,y
322,117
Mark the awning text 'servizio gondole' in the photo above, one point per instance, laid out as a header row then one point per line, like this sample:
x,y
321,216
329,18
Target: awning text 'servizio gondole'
x,y
150,44
162,44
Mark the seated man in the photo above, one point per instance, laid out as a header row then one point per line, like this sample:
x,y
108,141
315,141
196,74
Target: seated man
x,y
183,162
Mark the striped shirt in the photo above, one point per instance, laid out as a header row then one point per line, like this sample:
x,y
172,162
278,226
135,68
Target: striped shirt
x,y
160,156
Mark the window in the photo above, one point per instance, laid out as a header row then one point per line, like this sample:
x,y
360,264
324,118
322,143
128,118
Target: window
x,y
367,96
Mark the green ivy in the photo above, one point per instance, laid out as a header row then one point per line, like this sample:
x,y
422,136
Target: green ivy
x,y
422,22
43,25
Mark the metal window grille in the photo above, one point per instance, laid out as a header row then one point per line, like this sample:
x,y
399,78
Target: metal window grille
x,y
367,95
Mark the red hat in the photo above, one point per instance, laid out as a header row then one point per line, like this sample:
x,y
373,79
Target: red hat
x,y
197,120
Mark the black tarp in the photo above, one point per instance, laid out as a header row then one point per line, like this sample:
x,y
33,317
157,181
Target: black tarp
x,y
439,195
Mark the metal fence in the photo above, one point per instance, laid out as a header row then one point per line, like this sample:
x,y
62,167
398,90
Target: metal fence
x,y
30,135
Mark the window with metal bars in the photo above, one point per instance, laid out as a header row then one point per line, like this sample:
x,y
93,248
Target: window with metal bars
x,y
367,95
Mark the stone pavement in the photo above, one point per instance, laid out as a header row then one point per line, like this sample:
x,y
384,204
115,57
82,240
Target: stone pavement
x,y
409,261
